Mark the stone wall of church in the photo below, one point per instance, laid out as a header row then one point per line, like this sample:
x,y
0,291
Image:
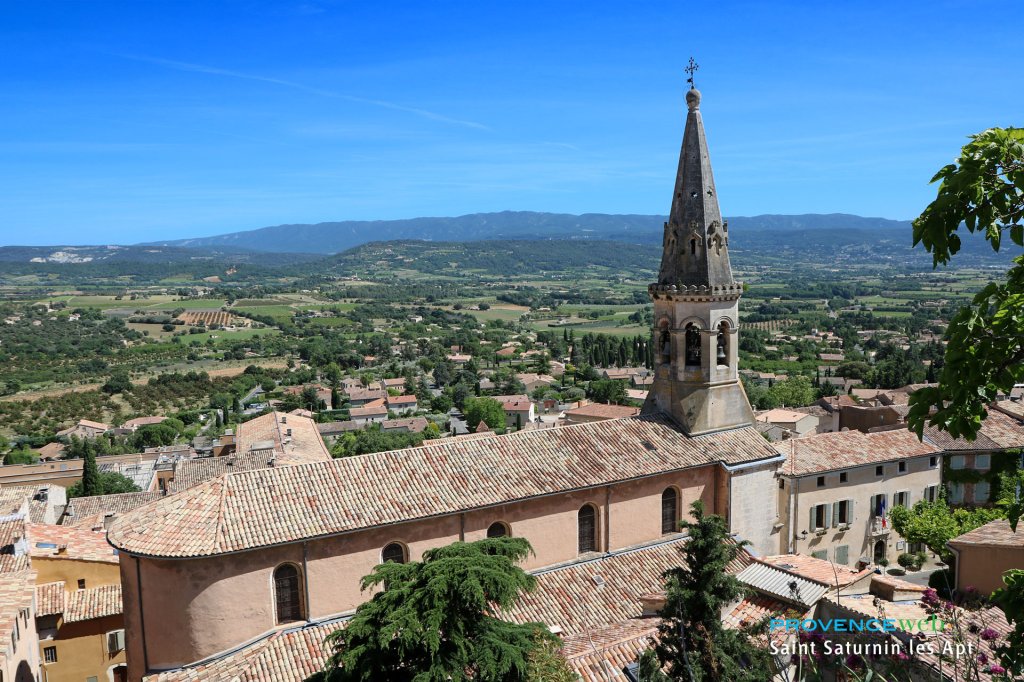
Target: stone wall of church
x,y
197,608
753,508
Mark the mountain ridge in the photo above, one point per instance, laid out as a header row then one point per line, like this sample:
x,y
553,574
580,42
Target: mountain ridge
x,y
338,236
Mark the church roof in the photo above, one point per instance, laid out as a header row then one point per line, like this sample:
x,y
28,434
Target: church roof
x,y
245,510
695,216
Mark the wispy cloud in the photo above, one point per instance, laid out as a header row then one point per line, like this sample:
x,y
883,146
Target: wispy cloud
x,y
228,73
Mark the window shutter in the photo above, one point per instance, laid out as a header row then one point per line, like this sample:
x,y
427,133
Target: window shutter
x,y
115,641
812,527
835,514
849,512
843,554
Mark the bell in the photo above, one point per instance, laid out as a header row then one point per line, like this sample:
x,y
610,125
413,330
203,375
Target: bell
x,y
721,352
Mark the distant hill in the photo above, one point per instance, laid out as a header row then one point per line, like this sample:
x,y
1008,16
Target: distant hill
x,y
149,254
504,257
336,237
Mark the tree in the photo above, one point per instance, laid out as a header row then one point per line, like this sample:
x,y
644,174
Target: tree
x,y
1011,600
693,644
793,392
90,472
486,410
983,191
933,524
21,455
437,619
609,391
108,483
542,364
119,382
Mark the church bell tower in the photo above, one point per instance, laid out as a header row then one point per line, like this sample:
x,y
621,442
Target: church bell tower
x,y
696,301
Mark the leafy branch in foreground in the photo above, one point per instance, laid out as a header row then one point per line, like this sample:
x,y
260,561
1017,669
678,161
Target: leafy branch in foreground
x,y
983,191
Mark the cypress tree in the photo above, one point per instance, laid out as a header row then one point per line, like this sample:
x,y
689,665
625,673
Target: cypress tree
x,y
90,471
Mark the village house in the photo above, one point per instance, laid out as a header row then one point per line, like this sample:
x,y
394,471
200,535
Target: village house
x,y
374,411
85,428
984,554
402,404
533,381
836,489
78,596
796,423
519,410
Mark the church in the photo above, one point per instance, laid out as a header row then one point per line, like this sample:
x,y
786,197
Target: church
x,y
222,572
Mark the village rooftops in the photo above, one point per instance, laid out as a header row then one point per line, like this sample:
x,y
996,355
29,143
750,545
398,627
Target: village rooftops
x,y
816,570
781,416
602,411
94,602
294,439
81,511
374,411
848,449
69,542
246,510
999,431
993,534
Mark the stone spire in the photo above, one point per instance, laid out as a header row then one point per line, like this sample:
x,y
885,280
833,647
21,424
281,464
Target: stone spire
x,y
696,301
696,243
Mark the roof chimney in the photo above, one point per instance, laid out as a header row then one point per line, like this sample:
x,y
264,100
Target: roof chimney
x,y
108,520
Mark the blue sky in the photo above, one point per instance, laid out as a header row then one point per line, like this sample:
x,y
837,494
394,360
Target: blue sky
x,y
126,122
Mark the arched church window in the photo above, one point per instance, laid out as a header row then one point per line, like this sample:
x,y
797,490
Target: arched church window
x,y
670,511
587,520
498,530
288,593
722,354
692,345
393,552
693,246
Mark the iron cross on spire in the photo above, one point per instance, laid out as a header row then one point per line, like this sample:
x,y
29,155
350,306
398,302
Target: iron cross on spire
x,y
691,69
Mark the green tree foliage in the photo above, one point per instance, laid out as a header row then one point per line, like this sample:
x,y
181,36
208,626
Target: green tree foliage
x,y
374,439
795,391
487,410
90,472
1011,600
21,456
933,524
107,483
438,620
608,391
119,382
984,191
693,644
154,435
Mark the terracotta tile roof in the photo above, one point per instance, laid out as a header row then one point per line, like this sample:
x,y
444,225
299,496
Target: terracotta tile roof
x,y
69,542
94,602
999,431
602,411
85,511
295,439
778,415
245,510
14,499
401,400
571,598
993,534
1014,408
372,411
412,425
142,421
14,556
189,473
818,570
286,656
601,654
50,598
846,449
17,592
362,394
